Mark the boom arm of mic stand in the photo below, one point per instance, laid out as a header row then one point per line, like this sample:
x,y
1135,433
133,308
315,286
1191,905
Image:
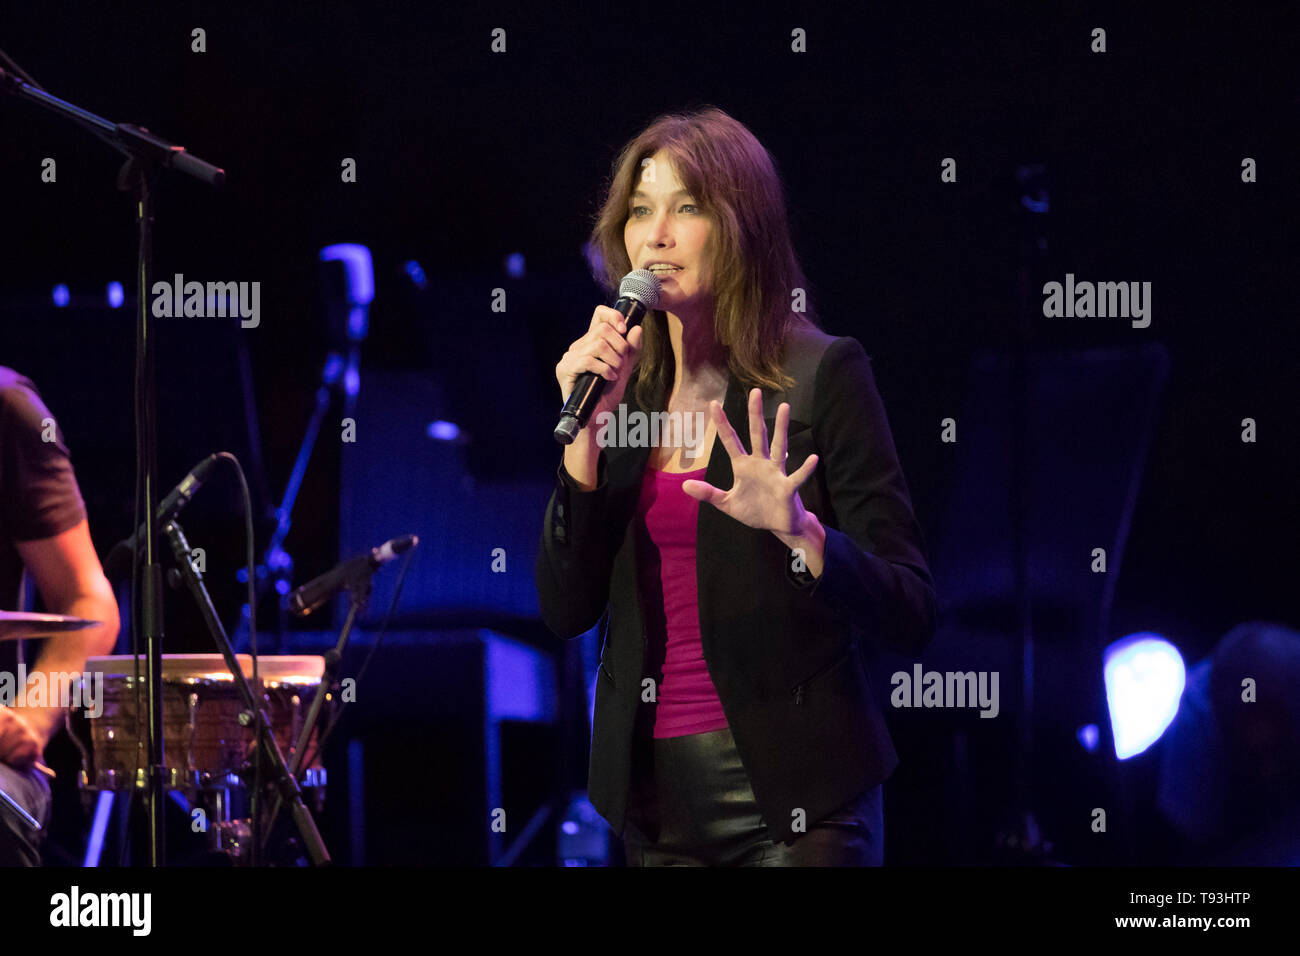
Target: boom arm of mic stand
x,y
324,399
274,559
286,783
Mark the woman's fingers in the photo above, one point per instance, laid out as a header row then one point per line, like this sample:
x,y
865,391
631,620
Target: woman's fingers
x,y
607,354
730,440
604,315
781,437
804,471
613,356
704,491
611,337
757,427
603,350
595,361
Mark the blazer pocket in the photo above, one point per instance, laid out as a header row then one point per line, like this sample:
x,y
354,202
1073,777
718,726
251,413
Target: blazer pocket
x,y
823,672
608,676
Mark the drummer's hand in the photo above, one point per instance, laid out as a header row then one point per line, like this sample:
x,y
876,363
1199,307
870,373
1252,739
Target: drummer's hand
x,y
20,746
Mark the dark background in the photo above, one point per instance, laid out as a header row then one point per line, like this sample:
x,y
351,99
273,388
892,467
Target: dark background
x,y
464,157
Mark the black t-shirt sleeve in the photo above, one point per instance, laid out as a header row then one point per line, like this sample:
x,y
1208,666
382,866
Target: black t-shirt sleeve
x,y
39,496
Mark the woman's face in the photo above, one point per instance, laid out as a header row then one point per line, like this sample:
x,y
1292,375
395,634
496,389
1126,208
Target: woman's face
x,y
664,224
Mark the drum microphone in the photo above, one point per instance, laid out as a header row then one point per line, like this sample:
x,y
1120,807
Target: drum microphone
x,y
637,293
119,557
317,591
181,495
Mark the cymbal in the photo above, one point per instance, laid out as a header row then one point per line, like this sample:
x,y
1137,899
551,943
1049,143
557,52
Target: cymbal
x,y
16,625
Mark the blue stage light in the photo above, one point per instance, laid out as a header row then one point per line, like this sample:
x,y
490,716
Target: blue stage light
x,y
333,368
360,269
116,296
416,273
515,265
99,828
443,431
61,295
1145,677
1089,736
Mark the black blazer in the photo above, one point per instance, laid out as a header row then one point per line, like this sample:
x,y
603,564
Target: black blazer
x,y
786,658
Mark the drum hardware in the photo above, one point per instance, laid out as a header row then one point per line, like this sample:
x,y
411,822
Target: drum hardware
x,y
208,749
208,746
354,576
213,718
267,745
357,584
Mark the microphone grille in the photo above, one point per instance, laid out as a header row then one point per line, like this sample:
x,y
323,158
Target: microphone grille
x,y
642,285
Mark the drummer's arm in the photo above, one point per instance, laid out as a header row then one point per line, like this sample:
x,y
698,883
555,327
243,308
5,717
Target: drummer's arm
x,y
68,574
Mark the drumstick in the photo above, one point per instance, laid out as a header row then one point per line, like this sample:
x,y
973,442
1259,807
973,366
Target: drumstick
x,y
16,807
45,770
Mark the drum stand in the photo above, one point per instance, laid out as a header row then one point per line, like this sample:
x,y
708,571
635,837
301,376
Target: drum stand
x,y
286,781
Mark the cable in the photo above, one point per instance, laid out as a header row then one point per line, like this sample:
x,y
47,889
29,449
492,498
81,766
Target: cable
x,y
379,640
254,800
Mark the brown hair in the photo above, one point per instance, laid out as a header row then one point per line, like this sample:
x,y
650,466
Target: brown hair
x,y
752,260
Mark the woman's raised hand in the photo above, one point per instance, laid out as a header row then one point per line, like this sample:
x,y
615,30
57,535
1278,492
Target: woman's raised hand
x,y
762,496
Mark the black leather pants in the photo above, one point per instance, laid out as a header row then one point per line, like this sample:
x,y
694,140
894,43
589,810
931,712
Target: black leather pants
x,y
691,804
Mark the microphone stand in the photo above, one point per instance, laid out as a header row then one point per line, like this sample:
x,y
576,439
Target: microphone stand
x,y
146,155
358,588
286,781
339,373
1021,838
277,564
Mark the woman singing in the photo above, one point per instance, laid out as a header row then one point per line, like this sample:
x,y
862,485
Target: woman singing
x,y
742,577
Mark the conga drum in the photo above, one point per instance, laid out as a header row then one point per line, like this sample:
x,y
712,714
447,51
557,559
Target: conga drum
x,y
208,739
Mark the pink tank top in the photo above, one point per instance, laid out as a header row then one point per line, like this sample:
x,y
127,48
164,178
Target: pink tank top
x,y
687,700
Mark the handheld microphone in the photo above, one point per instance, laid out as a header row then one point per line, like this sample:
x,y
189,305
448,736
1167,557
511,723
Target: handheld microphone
x,y
317,591
637,294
